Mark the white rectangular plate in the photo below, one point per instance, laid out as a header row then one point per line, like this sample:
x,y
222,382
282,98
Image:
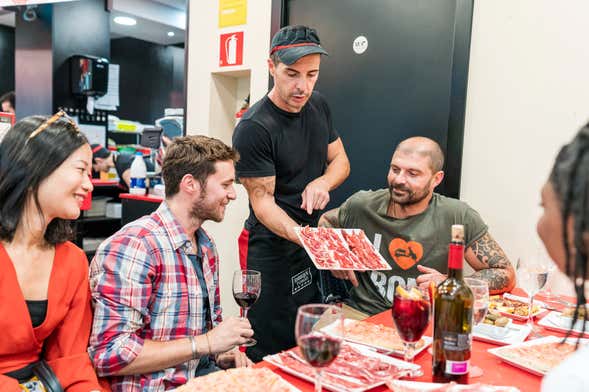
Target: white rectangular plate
x,y
383,265
275,360
524,300
414,386
499,352
331,329
556,322
281,382
510,334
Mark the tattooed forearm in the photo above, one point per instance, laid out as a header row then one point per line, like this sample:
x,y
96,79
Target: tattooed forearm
x,y
491,263
261,196
330,219
259,187
500,280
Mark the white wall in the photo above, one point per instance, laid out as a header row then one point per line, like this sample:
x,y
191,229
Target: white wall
x,y
211,97
528,93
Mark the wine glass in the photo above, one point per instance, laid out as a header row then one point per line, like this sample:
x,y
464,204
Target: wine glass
x,y
546,261
411,312
318,348
247,285
480,292
532,275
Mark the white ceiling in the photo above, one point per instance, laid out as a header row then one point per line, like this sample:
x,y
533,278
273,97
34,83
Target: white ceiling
x,y
155,18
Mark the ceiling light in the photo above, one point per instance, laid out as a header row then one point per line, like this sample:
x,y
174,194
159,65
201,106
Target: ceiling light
x,y
125,20
171,34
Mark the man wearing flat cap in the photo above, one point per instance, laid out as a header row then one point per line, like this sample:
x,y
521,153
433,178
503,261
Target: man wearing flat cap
x,y
291,158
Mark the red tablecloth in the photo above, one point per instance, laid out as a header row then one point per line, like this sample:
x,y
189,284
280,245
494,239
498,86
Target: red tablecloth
x,y
496,372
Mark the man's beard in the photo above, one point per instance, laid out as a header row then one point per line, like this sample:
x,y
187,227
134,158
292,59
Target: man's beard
x,y
204,211
410,197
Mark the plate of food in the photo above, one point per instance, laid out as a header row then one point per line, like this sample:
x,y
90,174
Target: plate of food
x,y
355,369
562,322
537,356
239,379
515,307
342,249
500,330
417,386
380,337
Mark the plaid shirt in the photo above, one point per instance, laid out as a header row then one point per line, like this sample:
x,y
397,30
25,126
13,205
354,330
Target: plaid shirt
x,y
144,286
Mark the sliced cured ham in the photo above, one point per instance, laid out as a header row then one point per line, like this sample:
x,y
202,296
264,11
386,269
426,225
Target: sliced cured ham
x,y
344,249
351,369
238,380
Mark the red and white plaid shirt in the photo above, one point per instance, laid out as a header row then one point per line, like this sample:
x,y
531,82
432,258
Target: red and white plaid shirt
x,y
144,286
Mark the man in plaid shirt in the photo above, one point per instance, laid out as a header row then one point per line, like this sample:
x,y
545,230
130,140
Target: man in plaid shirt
x,y
155,283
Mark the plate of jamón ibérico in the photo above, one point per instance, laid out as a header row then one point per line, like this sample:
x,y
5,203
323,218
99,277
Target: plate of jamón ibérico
x,y
355,369
340,249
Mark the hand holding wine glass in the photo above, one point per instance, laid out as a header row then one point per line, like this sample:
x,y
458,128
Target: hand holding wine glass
x,y
247,285
411,312
318,348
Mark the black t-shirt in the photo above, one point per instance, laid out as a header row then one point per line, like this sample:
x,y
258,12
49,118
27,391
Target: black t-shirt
x,y
290,146
123,162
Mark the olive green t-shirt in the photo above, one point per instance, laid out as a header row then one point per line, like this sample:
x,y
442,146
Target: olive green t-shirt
x,y
405,243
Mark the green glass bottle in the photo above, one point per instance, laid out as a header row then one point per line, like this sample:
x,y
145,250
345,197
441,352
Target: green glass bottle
x,y
453,311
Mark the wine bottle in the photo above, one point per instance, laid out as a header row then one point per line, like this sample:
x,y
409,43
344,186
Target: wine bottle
x,y
453,311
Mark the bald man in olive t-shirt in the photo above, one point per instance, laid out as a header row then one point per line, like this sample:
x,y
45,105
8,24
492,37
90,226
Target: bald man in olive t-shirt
x,y
413,224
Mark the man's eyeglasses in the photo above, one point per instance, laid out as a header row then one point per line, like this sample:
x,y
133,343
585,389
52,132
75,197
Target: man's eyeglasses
x,y
50,121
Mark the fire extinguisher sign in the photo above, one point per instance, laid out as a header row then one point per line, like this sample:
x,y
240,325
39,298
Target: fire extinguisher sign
x,y
231,49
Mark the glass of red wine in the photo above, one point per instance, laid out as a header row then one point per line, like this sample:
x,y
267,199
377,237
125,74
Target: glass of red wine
x,y
317,347
411,313
247,285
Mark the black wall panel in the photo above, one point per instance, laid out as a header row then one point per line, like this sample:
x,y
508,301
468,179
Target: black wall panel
x,y
152,78
79,27
6,59
410,81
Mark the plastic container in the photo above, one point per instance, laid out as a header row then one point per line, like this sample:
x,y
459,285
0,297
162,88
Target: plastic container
x,y
138,175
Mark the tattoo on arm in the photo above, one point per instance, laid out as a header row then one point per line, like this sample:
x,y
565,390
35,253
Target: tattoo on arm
x,y
488,251
499,280
495,266
259,187
330,219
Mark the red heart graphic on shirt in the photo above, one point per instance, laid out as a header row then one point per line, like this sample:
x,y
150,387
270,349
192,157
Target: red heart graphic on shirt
x,y
405,254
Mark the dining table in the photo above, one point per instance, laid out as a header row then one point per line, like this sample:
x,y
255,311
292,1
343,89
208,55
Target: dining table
x,y
495,371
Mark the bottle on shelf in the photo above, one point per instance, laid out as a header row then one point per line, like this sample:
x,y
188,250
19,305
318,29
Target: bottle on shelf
x,y
453,311
138,175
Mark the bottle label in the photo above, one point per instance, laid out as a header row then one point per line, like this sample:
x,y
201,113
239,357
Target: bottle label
x,y
457,367
137,182
453,341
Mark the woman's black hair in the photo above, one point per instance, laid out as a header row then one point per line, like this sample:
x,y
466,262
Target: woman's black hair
x,y
25,162
570,180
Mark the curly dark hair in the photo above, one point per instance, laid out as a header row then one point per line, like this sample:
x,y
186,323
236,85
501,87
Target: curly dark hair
x,y
25,162
570,180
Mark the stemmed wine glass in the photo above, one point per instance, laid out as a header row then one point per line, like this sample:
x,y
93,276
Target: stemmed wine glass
x,y
532,275
318,348
546,261
480,292
247,285
411,312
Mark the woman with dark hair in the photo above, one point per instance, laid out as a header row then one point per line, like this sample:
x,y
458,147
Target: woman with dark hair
x,y
45,314
564,229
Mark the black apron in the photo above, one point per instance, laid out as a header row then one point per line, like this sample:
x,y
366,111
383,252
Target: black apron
x,y
289,280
